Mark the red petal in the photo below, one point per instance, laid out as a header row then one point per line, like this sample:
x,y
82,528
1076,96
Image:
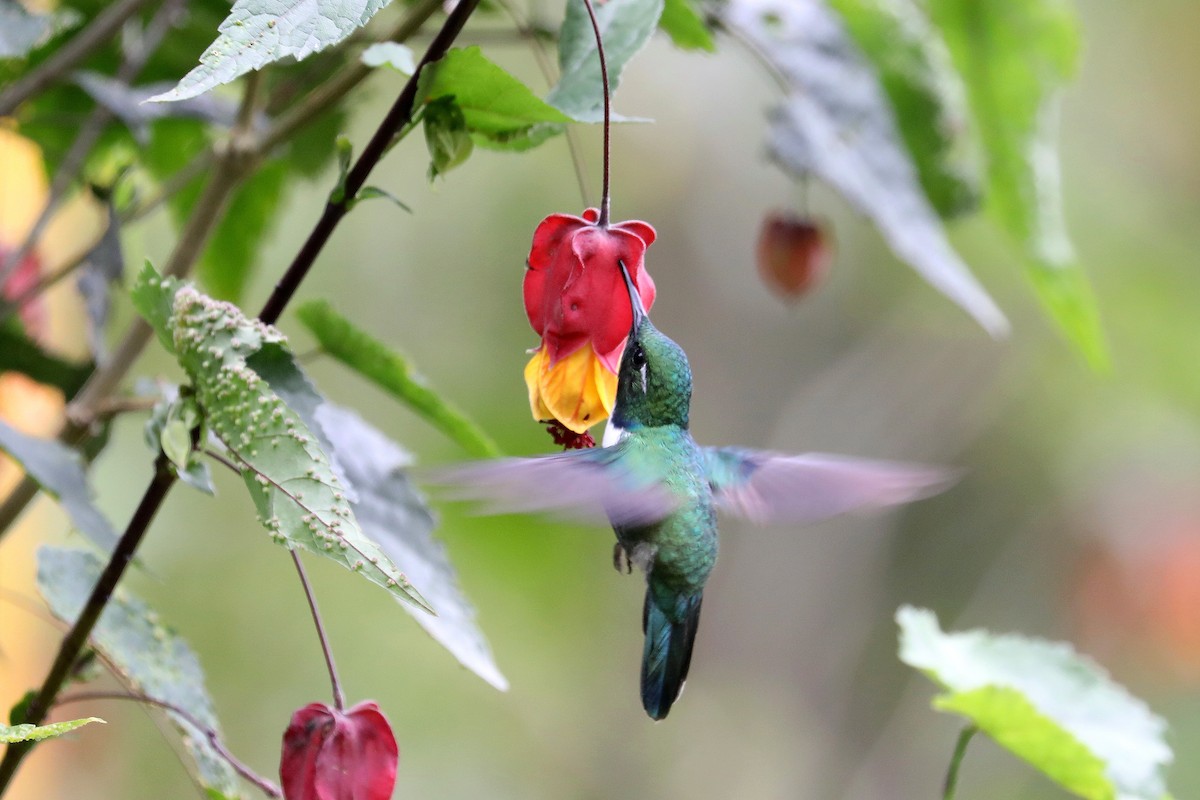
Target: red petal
x,y
544,276
334,755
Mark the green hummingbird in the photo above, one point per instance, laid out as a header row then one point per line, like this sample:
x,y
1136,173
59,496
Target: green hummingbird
x,y
661,491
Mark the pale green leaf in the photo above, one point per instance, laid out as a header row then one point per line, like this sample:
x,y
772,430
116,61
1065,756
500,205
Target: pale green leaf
x,y
492,101
154,660
390,54
292,480
394,514
391,372
1017,56
625,27
1053,708
685,26
837,124
259,32
36,733
926,93
60,472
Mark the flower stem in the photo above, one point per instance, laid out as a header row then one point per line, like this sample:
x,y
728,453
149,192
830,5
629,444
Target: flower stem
x,y
339,697
267,787
605,197
960,750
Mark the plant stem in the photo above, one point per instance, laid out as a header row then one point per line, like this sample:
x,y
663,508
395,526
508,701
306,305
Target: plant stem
x,y
960,750
605,197
339,697
101,31
399,116
267,787
76,638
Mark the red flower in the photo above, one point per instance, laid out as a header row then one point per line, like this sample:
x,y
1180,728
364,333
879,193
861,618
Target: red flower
x,y
576,301
338,755
794,254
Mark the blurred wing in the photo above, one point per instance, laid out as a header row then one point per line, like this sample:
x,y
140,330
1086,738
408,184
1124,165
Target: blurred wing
x,y
769,488
596,485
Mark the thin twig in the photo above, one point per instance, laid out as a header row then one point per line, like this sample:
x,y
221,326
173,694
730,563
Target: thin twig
x,y
214,739
73,643
101,31
339,697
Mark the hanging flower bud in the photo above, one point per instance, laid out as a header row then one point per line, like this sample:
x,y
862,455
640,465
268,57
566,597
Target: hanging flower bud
x,y
794,254
338,755
576,301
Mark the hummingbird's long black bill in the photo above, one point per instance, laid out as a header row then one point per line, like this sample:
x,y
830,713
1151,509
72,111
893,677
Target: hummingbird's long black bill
x,y
635,299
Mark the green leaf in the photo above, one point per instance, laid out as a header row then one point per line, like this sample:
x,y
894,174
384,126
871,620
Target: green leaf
x,y
1017,55
837,124
927,94
19,353
374,192
1053,708
291,478
390,54
36,733
154,660
492,101
393,513
390,371
625,27
446,136
233,252
59,471
259,32
154,296
685,26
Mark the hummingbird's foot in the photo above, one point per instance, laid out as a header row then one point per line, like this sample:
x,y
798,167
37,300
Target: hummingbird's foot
x,y
621,560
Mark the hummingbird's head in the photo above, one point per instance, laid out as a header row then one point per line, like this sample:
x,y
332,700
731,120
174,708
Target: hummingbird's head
x,y
654,382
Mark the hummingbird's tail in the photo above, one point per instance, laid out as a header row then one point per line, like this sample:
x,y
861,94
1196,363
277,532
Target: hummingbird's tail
x,y
669,621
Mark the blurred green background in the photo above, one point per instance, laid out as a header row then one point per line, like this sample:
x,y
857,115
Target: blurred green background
x,y
1079,518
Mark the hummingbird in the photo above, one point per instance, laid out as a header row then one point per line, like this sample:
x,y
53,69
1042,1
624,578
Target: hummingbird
x,y
661,492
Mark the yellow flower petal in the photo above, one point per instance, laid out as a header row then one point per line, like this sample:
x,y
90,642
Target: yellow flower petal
x,y
533,380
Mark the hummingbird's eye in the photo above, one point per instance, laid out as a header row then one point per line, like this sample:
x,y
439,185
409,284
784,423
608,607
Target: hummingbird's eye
x,y
637,357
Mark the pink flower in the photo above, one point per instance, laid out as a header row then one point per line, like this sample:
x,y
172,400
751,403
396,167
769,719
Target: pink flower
x,y
338,755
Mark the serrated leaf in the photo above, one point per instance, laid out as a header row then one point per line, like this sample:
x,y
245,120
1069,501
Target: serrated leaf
x,y
625,27
154,297
391,372
259,32
19,353
1017,55
394,514
1053,708
59,471
685,26
390,54
300,499
837,124
153,659
102,268
927,94
492,101
36,733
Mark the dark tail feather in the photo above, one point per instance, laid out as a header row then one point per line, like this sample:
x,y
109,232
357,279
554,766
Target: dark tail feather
x,y
668,649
